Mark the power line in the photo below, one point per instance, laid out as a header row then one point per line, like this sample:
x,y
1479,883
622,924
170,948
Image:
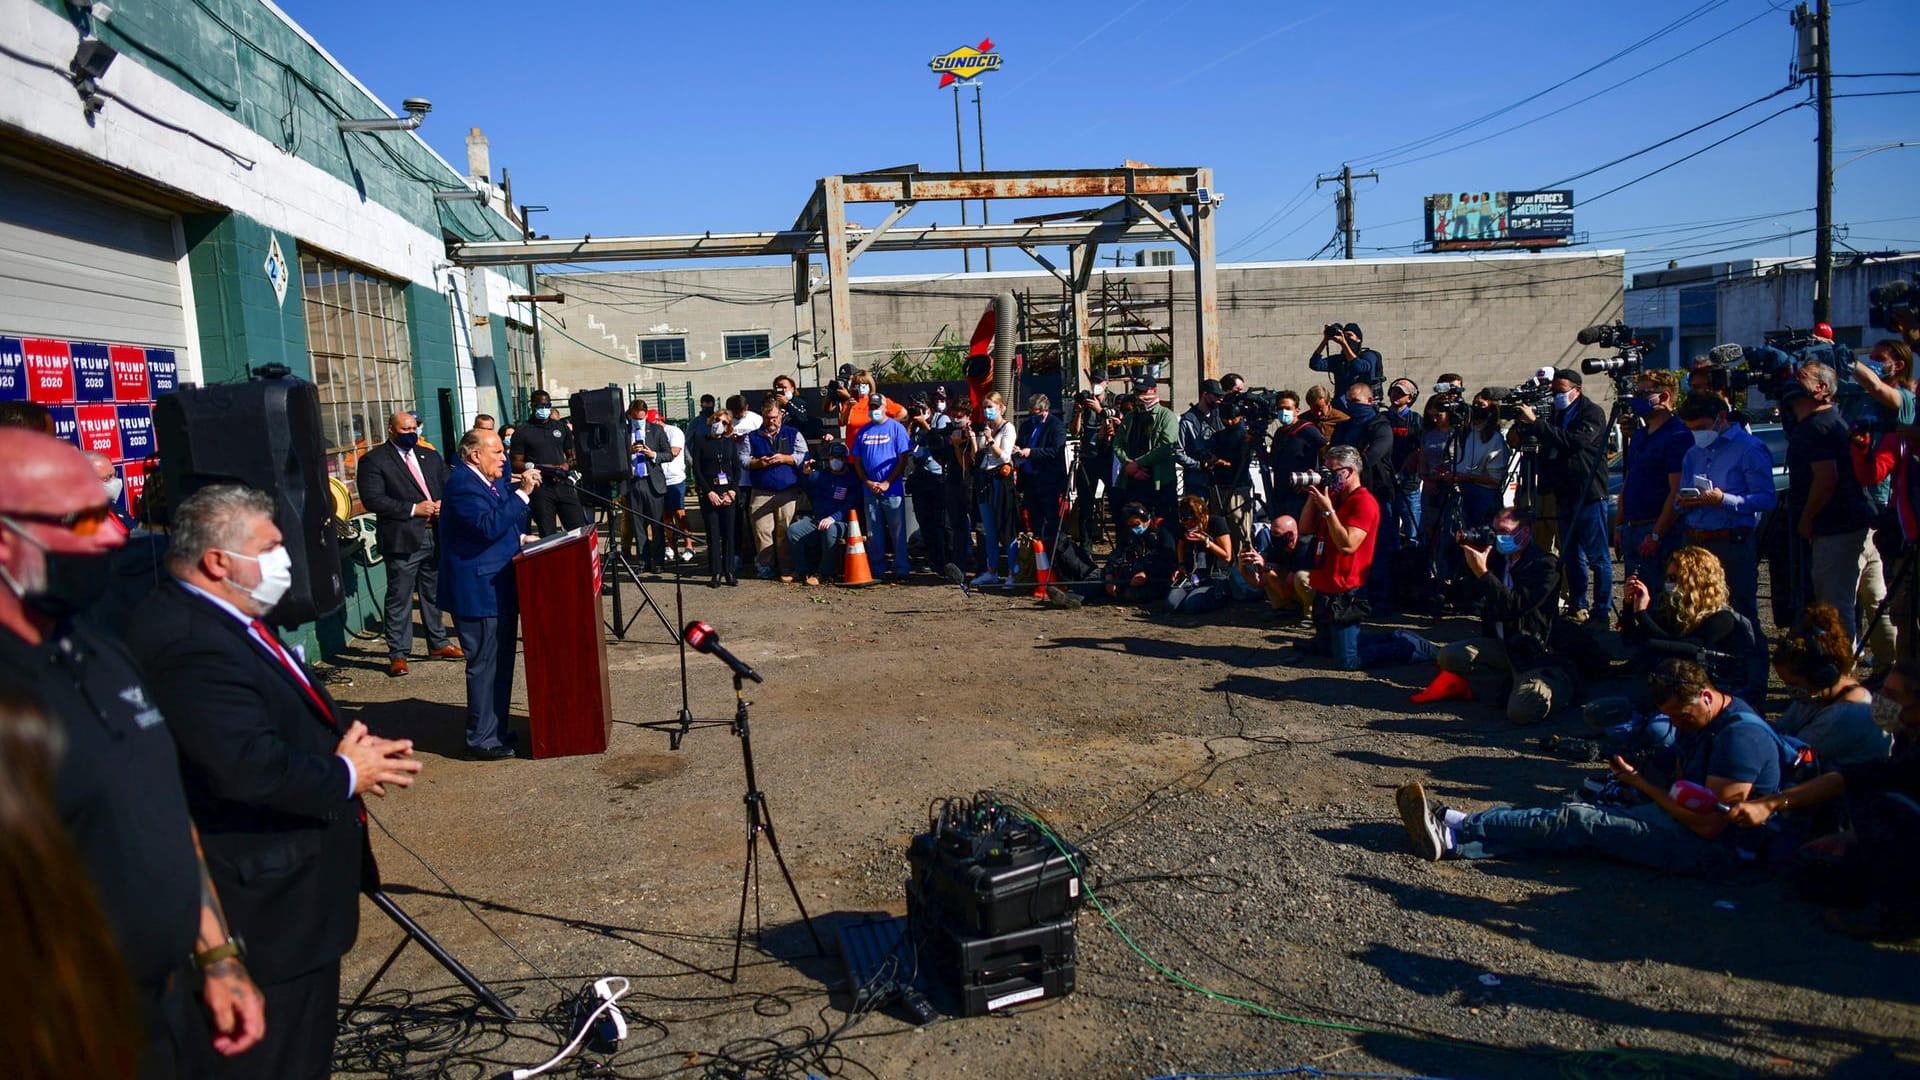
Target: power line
x,y
1674,138
1589,201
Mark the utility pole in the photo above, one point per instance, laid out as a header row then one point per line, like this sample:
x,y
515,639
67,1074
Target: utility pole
x,y
1816,55
1343,199
960,152
980,128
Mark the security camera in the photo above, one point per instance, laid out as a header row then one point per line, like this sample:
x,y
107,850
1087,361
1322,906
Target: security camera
x,y
419,106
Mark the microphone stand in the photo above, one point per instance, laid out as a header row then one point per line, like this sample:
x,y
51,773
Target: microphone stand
x,y
683,723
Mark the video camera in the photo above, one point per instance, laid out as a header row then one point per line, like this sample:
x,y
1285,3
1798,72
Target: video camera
x,y
1259,405
1536,394
1891,306
1625,365
1771,367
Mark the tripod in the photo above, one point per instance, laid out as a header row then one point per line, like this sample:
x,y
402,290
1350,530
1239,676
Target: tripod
x,y
683,723
759,820
370,878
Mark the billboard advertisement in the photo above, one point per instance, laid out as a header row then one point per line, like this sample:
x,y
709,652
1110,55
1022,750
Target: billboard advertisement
x,y
1495,219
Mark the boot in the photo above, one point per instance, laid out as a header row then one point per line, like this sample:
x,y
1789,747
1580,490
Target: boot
x,y
714,581
1444,687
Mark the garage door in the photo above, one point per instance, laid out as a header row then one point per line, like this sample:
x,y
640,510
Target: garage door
x,y
90,317
83,268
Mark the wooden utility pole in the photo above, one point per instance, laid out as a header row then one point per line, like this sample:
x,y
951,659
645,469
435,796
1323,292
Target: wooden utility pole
x,y
1816,56
1343,200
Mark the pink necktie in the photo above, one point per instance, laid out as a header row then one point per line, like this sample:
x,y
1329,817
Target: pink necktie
x,y
413,466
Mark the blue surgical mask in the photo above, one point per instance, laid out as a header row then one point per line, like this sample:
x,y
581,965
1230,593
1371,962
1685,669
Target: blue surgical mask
x,y
1286,416
1506,543
1138,530
1562,399
1671,588
836,464
1641,406
541,412
990,413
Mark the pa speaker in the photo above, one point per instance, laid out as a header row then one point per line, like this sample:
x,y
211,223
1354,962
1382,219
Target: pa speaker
x,y
601,435
264,434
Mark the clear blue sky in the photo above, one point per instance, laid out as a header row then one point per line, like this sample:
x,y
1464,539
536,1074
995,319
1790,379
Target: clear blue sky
x,y
631,118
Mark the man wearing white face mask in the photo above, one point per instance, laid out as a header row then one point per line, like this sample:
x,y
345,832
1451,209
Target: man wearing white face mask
x,y
273,774
1726,483
110,480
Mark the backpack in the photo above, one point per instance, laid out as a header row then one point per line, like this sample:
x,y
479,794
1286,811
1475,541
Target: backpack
x,y
1799,762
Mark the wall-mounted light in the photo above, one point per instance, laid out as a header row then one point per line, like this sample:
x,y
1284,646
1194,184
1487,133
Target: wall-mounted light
x,y
415,108
459,196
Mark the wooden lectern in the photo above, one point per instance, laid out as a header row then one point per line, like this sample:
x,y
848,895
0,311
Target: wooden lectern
x,y
568,704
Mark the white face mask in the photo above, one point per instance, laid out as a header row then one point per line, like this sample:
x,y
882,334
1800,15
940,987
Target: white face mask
x,y
276,575
114,485
1705,437
1886,714
862,390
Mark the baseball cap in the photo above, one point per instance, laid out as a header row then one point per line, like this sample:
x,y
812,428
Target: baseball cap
x,y
1145,383
1211,386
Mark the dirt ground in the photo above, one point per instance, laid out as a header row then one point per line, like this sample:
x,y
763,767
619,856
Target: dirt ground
x,y
1237,812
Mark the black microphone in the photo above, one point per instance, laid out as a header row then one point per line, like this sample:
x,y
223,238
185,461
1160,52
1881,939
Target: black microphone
x,y
570,475
1727,355
704,638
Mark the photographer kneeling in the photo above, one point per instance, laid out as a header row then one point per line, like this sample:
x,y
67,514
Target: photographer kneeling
x,y
1140,570
1514,584
1343,518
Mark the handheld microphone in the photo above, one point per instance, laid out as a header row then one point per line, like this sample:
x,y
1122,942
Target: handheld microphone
x,y
569,475
704,638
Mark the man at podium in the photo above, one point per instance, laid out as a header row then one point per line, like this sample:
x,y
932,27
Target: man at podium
x,y
482,520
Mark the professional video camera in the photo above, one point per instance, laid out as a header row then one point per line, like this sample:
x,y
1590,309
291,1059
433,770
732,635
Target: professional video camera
x,y
1891,306
1770,367
1259,405
1301,481
1629,358
1536,394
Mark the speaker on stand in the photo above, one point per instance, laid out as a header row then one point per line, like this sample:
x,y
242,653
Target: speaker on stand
x,y
264,434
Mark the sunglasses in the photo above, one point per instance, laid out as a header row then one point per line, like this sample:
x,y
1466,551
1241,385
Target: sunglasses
x,y
80,523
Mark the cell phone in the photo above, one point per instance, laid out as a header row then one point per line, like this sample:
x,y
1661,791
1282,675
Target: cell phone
x,y
1689,492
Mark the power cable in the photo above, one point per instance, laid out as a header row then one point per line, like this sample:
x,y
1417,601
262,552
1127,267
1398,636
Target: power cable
x,y
1590,200
1672,138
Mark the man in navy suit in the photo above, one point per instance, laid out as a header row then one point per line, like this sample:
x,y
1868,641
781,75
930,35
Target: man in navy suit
x,y
482,521
273,774
1041,458
401,481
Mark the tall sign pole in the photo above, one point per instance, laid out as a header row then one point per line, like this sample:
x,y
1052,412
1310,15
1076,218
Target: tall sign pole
x,y
965,65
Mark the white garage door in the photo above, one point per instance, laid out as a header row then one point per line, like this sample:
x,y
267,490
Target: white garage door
x,y
78,267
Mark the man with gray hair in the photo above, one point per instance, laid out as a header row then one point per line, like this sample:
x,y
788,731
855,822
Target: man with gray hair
x,y
273,774
482,521
1343,517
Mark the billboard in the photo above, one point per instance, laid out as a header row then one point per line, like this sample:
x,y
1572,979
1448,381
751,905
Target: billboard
x,y
1496,219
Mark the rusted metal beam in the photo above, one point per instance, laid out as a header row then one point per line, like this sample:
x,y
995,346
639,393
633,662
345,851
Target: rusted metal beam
x,y
899,211
1060,184
834,207
1047,265
1080,263
1206,292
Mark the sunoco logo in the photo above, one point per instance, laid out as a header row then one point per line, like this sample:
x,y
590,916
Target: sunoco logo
x,y
966,62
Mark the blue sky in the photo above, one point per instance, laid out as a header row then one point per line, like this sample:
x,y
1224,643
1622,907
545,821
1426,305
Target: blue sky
x,y
630,118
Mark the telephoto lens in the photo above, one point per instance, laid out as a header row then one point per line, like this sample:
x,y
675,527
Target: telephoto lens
x,y
1301,481
1480,536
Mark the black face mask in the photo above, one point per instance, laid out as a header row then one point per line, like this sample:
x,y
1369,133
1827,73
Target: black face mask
x,y
1482,413
74,582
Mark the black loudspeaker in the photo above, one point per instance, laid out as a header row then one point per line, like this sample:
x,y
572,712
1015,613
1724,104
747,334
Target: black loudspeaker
x,y
264,434
601,434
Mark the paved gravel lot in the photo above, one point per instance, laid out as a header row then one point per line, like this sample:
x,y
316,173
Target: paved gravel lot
x,y
1237,812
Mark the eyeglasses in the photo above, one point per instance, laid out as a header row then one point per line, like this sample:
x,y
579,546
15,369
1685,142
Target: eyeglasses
x,y
80,523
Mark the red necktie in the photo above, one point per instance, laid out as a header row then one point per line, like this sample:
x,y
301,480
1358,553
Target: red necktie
x,y
286,661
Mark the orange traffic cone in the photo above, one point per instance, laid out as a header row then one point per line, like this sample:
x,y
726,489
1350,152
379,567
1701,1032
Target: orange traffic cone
x,y
855,571
1042,570
1445,686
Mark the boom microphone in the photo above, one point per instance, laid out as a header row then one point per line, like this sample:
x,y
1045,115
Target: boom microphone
x,y
1590,335
1726,355
703,637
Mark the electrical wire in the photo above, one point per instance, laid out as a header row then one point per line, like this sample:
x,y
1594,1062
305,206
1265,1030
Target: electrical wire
x,y
1591,199
1672,138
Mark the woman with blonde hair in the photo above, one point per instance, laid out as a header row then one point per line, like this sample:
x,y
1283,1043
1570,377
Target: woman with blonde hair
x,y
1695,612
993,440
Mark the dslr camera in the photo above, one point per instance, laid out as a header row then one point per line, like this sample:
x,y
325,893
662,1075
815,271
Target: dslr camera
x,y
1476,536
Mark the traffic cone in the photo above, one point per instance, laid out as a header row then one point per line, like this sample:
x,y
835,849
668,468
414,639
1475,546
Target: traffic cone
x,y
855,571
1042,570
1445,686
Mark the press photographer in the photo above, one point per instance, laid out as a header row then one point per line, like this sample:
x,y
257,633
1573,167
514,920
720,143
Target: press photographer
x,y
1198,425
1342,354
1092,425
1573,456
1830,507
1295,448
1344,519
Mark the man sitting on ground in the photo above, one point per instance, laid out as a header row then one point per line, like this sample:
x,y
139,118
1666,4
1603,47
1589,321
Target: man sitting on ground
x,y
1725,755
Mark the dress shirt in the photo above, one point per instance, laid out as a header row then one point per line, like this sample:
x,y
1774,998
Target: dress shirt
x,y
1740,465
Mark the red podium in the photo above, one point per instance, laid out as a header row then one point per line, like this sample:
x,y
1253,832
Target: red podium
x,y
568,704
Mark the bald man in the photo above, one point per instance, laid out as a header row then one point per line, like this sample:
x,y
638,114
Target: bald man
x,y
118,791
482,521
401,481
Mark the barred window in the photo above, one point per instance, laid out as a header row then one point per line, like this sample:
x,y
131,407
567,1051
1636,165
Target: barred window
x,y
747,346
663,350
519,366
362,367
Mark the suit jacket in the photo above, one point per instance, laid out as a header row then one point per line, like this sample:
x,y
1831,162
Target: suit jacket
x,y
388,488
1163,434
1573,449
480,530
1046,468
282,834
655,437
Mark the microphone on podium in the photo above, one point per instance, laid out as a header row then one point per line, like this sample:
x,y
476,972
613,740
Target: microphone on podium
x,y
704,638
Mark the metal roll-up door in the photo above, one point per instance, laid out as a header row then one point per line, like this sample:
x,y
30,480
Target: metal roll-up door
x,y
79,267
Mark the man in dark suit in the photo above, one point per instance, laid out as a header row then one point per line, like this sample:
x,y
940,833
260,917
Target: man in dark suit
x,y
1573,463
482,522
647,483
273,775
401,482
1040,456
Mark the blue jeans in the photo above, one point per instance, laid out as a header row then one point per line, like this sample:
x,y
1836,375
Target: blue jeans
x,y
1584,555
1341,644
1409,507
1653,571
1643,834
989,510
812,545
887,517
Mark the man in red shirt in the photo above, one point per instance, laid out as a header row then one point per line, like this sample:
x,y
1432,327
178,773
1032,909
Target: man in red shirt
x,y
1342,518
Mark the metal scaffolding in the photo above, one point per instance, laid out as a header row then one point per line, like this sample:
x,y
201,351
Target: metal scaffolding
x,y
1153,203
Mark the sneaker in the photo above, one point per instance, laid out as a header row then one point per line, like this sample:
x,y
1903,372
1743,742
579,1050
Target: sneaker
x,y
766,573
811,579
1577,616
1426,826
987,578
1008,580
686,554
1061,598
1422,648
